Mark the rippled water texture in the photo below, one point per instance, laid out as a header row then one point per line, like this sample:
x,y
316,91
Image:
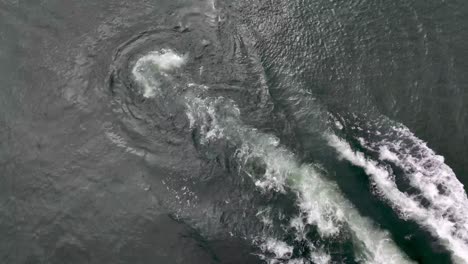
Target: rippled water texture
x,y
233,132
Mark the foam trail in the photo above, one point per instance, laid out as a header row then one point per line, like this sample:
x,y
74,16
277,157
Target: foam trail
x,y
427,173
444,219
320,200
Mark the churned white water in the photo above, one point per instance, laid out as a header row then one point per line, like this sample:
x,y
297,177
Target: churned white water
x,y
320,200
445,216
157,63
280,249
321,203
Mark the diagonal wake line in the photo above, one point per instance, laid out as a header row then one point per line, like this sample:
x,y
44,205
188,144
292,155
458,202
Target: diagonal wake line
x,y
433,217
319,199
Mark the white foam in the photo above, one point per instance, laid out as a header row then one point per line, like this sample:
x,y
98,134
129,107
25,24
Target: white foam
x,y
385,153
203,112
156,62
122,143
338,125
165,59
276,252
445,217
321,202
320,257
280,249
427,172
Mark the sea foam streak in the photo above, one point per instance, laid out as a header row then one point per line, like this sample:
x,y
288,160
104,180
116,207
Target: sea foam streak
x,y
320,200
446,214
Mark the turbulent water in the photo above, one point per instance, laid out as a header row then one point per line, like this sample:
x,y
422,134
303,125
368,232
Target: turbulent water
x,y
240,131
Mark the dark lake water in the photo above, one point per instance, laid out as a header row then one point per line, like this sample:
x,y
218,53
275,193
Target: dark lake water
x,y
244,131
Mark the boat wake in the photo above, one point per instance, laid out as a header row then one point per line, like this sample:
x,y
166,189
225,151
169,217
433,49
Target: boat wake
x,y
433,197
275,169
